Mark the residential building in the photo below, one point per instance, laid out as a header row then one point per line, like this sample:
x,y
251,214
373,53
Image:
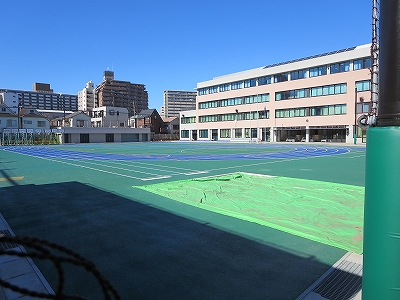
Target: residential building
x,y
87,97
117,93
107,116
313,99
41,98
149,118
22,127
171,125
177,101
76,119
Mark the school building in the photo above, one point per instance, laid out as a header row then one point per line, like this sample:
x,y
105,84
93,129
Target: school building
x,y
313,99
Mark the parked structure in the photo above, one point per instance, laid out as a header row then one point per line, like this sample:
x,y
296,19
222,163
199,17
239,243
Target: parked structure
x,y
313,99
117,93
177,101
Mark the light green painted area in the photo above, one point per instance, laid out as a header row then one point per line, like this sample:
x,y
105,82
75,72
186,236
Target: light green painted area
x,y
329,213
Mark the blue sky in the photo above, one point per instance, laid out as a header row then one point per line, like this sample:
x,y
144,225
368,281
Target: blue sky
x,y
169,44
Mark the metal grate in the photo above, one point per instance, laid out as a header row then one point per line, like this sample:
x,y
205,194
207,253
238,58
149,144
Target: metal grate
x,y
343,283
6,245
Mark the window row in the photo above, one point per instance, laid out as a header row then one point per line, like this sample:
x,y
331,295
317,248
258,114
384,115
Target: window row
x,y
188,120
252,115
345,66
225,133
338,109
312,92
235,101
364,85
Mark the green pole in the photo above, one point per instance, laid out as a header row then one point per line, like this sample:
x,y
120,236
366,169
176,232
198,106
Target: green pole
x,y
381,275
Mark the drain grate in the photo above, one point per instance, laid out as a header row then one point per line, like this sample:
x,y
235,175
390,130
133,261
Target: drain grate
x,y
343,283
6,245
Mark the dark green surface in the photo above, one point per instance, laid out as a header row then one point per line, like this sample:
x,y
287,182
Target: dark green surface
x,y
153,248
381,276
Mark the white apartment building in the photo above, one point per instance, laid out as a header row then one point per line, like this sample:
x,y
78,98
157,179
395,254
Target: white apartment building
x,y
38,99
312,99
177,101
108,116
87,97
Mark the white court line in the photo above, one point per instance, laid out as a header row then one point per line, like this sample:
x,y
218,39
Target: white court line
x,y
119,168
168,167
163,168
276,161
154,178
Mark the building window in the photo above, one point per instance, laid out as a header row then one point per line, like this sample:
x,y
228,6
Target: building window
x,y
188,120
238,133
280,77
340,67
225,133
11,123
41,123
224,87
250,83
237,85
364,63
300,74
184,133
364,85
203,133
338,109
264,80
318,71
312,92
213,89
363,107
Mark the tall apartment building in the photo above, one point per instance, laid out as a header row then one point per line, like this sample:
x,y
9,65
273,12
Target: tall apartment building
x,y
117,93
312,99
177,101
87,97
42,97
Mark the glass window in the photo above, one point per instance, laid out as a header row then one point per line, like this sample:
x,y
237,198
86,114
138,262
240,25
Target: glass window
x,y
318,71
281,77
184,133
264,80
238,133
237,85
364,85
264,97
225,133
250,83
364,63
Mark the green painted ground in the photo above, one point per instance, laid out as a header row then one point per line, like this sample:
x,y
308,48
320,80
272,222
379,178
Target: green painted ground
x,y
325,212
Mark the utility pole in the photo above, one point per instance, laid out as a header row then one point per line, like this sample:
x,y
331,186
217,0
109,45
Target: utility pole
x,y
381,264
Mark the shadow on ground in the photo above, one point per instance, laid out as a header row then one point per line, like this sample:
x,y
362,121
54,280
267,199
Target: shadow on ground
x,y
148,253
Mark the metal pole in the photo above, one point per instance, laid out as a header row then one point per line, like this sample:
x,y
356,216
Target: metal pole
x,y
381,276
355,117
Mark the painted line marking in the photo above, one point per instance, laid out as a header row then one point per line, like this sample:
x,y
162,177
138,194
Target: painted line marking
x,y
2,179
155,178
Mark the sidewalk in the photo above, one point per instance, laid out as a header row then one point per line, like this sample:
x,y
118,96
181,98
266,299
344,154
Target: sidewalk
x,y
19,271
